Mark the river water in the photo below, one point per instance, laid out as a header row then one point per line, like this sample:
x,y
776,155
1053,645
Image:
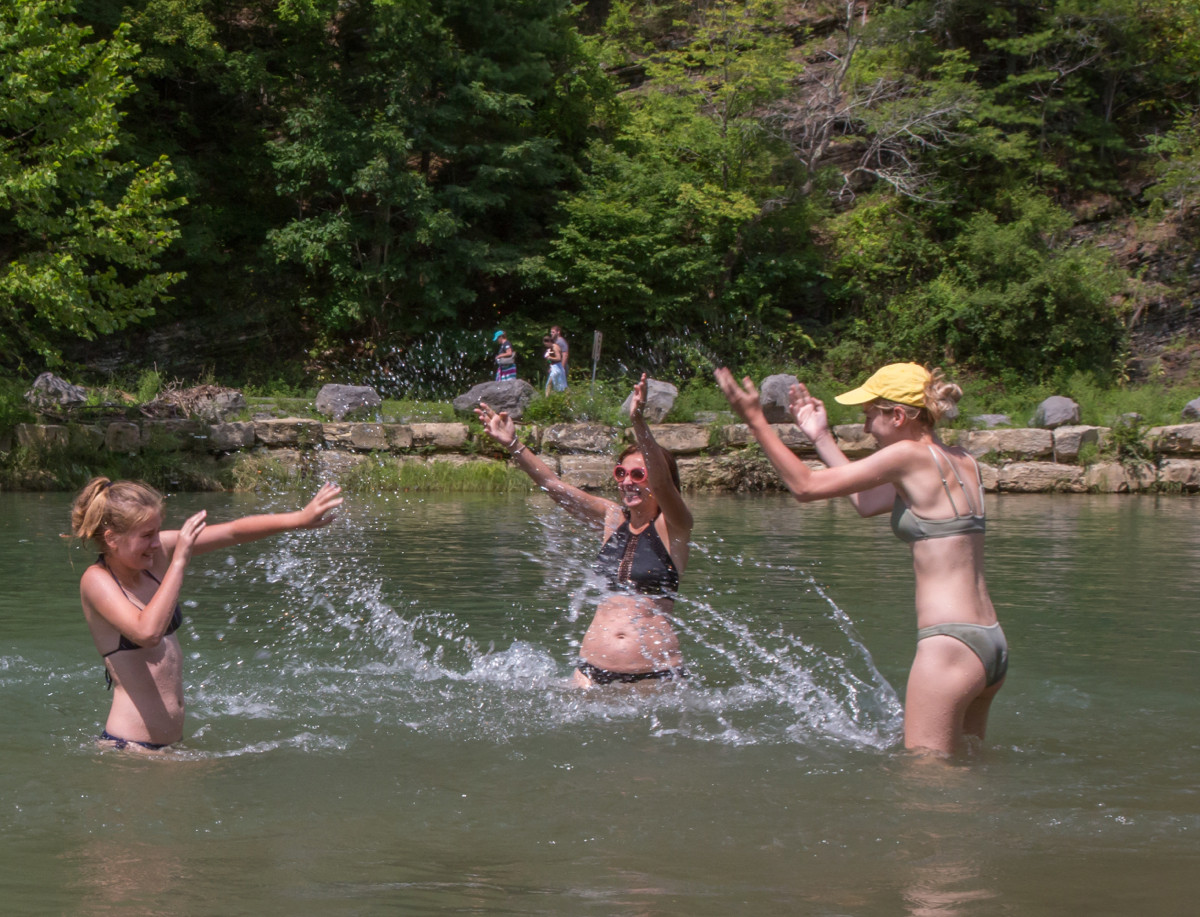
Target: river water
x,y
378,723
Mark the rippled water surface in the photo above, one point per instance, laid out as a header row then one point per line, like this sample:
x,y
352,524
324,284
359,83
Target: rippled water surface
x,y
378,723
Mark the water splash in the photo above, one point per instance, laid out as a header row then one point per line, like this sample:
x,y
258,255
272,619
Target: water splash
x,y
351,647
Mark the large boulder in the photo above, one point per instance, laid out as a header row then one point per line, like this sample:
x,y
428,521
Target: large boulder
x,y
1055,411
773,395
511,395
49,391
660,398
1191,410
341,401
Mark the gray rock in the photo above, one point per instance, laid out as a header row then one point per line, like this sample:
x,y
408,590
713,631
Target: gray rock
x,y
1041,478
991,421
1055,411
442,436
1191,410
123,437
1022,444
339,401
580,437
1071,438
42,436
229,437
220,406
48,390
773,395
512,396
1177,439
678,438
589,472
660,398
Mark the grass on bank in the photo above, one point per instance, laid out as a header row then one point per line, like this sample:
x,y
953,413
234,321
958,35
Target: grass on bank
x,y
387,474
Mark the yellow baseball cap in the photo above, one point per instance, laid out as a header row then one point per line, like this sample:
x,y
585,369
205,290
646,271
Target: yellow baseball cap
x,y
903,383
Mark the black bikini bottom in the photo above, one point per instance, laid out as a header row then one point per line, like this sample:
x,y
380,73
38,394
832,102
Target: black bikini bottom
x,y
106,736
599,676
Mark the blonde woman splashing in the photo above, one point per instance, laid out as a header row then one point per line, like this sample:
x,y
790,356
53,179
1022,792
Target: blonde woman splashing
x,y
935,495
643,554
130,596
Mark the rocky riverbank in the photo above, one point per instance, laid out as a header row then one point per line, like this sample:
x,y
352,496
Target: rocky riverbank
x,y
712,457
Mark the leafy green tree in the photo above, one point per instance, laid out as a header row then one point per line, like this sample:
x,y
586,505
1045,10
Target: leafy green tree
x,y
83,225
1015,296
1179,170
424,146
663,232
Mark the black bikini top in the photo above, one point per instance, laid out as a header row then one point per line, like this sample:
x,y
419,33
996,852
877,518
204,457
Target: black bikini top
x,y
637,561
125,643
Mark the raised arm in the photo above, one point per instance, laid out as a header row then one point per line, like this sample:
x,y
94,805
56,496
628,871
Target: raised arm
x,y
810,417
145,626
805,484
675,511
317,513
579,503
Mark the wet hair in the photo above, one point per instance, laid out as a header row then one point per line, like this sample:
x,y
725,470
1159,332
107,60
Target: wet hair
x,y
117,506
941,401
672,466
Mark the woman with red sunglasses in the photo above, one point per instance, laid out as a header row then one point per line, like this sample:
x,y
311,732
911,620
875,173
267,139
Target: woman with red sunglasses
x,y
645,550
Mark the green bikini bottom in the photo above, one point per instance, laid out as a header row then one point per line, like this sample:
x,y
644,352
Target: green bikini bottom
x,y
987,643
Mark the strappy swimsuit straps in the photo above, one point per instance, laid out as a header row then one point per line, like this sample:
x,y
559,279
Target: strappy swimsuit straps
x,y
125,643
638,561
909,527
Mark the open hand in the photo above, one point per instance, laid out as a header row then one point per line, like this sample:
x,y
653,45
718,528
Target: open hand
x,y
808,411
499,426
742,397
319,508
638,403
188,534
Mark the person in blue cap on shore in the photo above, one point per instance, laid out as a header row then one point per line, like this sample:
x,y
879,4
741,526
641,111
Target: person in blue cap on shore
x,y
934,493
506,358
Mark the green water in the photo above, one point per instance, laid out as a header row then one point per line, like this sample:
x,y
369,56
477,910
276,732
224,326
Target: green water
x,y
377,724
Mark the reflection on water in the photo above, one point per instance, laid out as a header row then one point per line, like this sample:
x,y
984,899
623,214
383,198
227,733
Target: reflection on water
x,y
378,722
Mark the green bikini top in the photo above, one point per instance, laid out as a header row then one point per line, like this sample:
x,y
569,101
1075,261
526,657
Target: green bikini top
x,y
909,527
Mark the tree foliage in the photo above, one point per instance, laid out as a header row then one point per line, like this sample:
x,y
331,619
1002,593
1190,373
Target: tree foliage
x,y
423,151
879,180
83,224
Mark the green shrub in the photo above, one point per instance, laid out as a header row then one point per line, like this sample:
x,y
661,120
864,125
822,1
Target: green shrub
x,y
13,407
587,403
149,384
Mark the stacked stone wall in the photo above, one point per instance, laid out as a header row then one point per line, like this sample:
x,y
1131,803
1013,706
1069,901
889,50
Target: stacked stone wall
x,y
711,457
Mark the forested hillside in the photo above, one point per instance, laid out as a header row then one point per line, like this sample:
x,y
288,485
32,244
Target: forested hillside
x,y
266,189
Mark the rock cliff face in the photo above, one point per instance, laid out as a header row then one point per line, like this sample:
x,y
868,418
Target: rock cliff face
x,y
711,457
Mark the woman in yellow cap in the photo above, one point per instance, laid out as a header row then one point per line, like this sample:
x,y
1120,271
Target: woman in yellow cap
x,y
935,495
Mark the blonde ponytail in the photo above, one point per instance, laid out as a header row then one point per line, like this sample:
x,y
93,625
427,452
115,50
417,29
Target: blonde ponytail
x,y
941,397
118,506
